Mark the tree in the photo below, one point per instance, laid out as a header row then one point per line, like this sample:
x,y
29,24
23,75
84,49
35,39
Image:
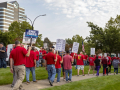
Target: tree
x,y
106,39
49,43
75,38
19,28
7,37
39,42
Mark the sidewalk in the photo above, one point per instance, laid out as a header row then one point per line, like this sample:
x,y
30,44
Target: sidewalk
x,y
41,84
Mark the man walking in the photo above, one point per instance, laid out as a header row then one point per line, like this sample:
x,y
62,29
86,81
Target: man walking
x,y
3,56
67,63
50,60
31,65
19,56
80,63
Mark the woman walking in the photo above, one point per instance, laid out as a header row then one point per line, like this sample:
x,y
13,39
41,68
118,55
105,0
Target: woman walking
x,y
97,65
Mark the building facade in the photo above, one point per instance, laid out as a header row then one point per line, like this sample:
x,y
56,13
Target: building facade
x,y
9,12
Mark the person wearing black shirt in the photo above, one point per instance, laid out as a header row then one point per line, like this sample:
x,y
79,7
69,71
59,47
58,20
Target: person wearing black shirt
x,y
97,65
3,56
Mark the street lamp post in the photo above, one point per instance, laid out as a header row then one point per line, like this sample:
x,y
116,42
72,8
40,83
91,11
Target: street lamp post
x,y
32,23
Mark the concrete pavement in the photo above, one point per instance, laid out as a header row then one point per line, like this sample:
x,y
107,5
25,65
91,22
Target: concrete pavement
x,y
41,84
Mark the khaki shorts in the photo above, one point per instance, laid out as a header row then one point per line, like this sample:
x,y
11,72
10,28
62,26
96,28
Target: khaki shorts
x,y
92,67
81,67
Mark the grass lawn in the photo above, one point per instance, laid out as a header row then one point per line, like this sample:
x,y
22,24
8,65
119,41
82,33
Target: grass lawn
x,y
6,77
98,83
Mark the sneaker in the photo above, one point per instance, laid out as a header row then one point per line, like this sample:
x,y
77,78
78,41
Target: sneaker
x,y
34,81
28,82
12,85
50,83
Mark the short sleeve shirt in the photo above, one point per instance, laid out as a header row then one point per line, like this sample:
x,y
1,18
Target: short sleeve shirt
x,y
3,54
58,64
80,58
50,57
91,61
67,62
30,59
37,55
18,55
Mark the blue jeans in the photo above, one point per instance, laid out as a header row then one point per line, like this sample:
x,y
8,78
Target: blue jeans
x,y
40,61
51,72
58,71
70,74
85,62
3,63
37,63
116,70
32,69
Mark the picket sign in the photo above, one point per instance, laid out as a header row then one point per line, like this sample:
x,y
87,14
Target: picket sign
x,y
92,51
26,40
60,45
75,47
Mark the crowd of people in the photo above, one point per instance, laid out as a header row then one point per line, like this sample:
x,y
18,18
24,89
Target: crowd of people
x,y
23,61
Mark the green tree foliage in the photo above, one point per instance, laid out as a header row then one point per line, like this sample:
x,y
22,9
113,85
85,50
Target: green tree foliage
x,y
19,28
107,39
39,42
75,38
49,43
7,37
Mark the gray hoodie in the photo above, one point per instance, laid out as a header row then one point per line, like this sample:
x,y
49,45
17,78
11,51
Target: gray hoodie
x,y
115,63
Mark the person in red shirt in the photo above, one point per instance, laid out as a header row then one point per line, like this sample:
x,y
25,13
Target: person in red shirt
x,y
31,65
85,61
91,64
43,57
80,63
19,56
109,63
67,63
74,54
105,63
50,60
37,56
58,66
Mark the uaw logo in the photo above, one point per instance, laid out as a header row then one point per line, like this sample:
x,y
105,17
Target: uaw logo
x,y
79,57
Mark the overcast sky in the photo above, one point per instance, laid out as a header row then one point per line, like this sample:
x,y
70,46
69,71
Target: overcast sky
x,y
65,18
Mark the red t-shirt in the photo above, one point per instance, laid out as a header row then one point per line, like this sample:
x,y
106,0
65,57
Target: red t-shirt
x,y
37,55
72,54
91,61
43,52
30,59
18,55
50,57
79,59
109,60
58,64
86,56
67,62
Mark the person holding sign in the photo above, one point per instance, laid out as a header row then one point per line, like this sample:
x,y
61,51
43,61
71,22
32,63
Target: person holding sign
x,y
80,63
58,66
67,63
19,56
50,60
31,65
